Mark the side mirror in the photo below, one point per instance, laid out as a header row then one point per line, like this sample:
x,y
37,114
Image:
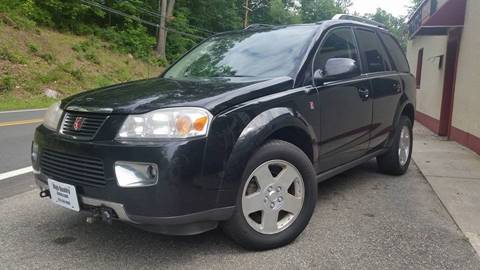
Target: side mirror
x,y
336,69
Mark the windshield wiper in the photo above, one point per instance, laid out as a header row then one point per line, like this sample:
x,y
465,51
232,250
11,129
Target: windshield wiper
x,y
234,76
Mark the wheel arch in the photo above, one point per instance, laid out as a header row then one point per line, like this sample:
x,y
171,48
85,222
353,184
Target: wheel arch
x,y
405,107
409,111
280,123
296,136
276,123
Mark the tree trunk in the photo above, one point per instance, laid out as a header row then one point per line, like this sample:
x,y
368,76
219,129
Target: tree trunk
x,y
171,5
247,9
162,31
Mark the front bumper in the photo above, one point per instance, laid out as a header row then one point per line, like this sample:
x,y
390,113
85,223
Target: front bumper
x,y
190,224
182,196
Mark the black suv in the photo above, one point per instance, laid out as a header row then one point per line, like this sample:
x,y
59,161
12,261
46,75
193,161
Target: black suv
x,y
236,133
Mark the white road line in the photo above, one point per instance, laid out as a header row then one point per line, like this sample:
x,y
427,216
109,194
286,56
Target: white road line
x,y
20,111
14,173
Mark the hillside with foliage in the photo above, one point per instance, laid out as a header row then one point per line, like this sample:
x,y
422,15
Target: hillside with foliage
x,y
34,61
73,45
134,25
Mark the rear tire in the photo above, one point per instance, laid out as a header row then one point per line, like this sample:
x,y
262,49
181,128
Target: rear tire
x,y
397,159
276,198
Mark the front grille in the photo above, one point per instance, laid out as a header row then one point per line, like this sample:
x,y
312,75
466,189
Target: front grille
x,y
72,168
90,124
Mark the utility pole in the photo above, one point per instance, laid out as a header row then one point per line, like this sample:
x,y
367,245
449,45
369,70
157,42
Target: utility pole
x,y
162,31
247,10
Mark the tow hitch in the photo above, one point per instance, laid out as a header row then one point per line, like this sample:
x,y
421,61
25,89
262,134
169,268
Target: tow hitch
x,y
101,213
45,193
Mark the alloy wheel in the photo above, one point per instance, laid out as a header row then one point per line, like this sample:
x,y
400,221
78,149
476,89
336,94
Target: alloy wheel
x,y
404,146
273,196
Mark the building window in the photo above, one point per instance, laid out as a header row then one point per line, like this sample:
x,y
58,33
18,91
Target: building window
x,y
419,67
433,6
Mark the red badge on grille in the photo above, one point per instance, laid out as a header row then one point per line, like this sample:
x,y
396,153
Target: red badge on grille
x,y
77,124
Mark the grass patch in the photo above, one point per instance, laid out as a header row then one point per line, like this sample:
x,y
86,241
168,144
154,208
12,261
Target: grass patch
x,y
91,43
22,23
7,83
12,56
54,75
87,50
47,57
32,47
10,102
92,57
103,80
70,69
17,21
123,74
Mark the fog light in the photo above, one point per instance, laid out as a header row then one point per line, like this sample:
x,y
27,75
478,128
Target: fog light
x,y
136,174
34,153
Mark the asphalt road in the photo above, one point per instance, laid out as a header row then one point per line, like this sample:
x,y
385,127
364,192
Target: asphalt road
x,y
363,220
16,138
16,134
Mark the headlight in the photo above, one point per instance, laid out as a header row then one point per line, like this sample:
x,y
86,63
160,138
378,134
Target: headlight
x,y
52,116
167,123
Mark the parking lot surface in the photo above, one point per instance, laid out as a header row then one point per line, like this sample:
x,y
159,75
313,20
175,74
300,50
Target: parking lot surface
x,y
363,220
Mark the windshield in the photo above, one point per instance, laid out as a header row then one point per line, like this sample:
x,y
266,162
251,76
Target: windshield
x,y
270,53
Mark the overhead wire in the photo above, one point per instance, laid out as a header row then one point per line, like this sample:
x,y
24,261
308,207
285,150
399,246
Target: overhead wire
x,y
158,15
135,18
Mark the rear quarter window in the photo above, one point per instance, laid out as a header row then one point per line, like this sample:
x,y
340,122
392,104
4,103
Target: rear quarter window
x,y
396,52
374,57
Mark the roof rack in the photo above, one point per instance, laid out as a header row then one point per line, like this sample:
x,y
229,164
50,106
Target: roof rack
x,y
358,19
258,26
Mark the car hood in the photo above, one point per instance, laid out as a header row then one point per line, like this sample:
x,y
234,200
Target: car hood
x,y
143,96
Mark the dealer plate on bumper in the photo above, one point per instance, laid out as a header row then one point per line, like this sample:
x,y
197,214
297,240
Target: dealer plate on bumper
x,y
64,195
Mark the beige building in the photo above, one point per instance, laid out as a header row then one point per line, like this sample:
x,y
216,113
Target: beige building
x,y
444,54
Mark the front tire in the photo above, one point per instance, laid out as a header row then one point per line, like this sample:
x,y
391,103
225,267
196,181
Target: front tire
x,y
398,157
276,198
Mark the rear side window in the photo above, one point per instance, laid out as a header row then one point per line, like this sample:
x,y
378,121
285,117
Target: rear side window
x,y
396,53
374,56
339,43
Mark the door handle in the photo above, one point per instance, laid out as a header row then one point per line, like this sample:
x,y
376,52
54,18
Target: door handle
x,y
398,87
364,93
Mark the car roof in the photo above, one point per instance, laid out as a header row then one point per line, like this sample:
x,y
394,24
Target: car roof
x,y
329,23
318,25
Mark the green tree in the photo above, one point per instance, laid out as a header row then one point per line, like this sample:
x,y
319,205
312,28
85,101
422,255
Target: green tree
x,y
343,5
278,13
281,12
260,11
67,15
318,10
214,15
396,25
414,4
200,18
177,44
274,12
